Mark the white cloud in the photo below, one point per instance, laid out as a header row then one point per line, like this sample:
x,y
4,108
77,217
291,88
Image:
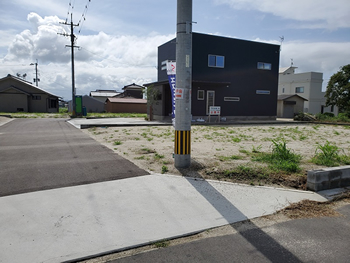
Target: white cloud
x,y
104,61
6,37
111,62
324,57
42,42
37,21
316,13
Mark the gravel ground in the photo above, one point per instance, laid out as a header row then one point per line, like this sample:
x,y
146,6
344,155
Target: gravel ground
x,y
151,148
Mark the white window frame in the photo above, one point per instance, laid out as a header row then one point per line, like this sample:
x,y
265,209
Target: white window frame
x,y
208,104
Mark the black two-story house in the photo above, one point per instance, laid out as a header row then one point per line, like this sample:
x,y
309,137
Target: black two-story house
x,y
238,75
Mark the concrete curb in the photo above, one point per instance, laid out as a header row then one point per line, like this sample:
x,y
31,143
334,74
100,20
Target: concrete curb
x,y
152,123
328,178
7,120
87,126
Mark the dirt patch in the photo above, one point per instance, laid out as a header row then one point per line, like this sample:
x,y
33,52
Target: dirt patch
x,y
312,209
217,151
309,209
258,176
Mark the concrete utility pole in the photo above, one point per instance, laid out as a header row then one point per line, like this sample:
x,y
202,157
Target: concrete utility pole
x,y
36,80
183,115
72,40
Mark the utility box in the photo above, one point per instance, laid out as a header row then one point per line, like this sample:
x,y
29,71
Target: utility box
x,y
79,105
84,111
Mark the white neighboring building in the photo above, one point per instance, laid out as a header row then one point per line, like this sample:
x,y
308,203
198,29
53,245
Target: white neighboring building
x,y
307,85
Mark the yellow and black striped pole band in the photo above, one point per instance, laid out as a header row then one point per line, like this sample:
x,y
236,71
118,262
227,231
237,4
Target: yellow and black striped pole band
x,y
182,142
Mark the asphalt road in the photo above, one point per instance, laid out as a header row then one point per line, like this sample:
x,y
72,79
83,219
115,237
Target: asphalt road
x,y
39,154
324,239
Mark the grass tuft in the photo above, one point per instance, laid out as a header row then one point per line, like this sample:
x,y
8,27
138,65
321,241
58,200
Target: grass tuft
x,y
329,155
158,156
232,157
164,169
281,158
161,244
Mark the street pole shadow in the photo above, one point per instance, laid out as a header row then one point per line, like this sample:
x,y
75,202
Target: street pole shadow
x,y
264,243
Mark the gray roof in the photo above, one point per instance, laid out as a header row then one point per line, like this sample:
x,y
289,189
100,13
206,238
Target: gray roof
x,y
106,94
282,70
287,96
29,84
127,100
133,86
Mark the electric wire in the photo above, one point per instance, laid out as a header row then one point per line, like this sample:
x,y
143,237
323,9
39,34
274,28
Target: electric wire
x,y
83,16
70,6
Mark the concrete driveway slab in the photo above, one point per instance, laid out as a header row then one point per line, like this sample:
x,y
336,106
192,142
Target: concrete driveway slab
x,y
76,222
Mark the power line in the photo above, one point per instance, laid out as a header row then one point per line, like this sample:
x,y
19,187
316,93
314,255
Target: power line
x,y
83,16
70,6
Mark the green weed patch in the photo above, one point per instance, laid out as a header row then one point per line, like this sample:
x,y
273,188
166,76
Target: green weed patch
x,y
329,155
280,159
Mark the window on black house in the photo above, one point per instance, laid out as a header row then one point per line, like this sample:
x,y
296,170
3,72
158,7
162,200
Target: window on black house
x,y
200,94
265,66
216,61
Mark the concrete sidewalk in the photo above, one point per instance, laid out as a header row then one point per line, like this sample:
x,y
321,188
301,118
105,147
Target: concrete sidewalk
x,y
4,120
77,222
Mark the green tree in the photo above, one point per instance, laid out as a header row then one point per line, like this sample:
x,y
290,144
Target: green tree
x,y
338,89
152,95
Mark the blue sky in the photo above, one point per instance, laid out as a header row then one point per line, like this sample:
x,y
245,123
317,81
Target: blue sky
x,y
119,38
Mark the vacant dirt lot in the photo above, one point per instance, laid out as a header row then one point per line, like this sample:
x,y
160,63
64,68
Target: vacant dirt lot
x,y
216,149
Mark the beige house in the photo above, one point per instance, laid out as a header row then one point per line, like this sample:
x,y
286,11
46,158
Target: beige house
x,y
307,85
19,95
289,105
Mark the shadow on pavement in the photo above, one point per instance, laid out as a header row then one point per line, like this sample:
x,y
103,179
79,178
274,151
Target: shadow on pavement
x,y
265,244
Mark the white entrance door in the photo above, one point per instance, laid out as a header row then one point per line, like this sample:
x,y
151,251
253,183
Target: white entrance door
x,y
210,99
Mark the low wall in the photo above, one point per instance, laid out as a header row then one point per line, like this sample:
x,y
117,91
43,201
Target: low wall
x,y
328,178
